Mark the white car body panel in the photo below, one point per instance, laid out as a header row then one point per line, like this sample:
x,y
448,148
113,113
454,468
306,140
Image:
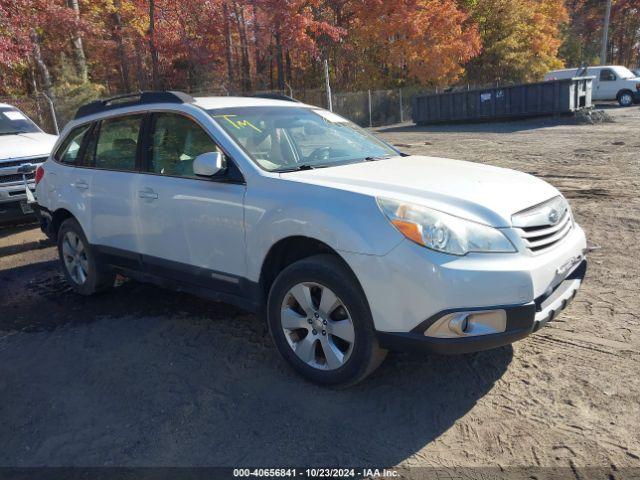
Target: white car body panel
x,y
26,145
482,193
192,222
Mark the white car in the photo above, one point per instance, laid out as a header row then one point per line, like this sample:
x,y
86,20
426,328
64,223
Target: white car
x,y
347,246
23,146
611,82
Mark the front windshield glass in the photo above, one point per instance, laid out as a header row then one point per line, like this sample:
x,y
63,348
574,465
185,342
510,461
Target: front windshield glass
x,y
13,121
624,72
292,138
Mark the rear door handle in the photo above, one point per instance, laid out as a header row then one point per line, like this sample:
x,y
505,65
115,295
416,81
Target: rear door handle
x,y
80,185
148,194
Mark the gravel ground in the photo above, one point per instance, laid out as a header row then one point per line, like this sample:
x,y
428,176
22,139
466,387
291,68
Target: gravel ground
x,y
141,376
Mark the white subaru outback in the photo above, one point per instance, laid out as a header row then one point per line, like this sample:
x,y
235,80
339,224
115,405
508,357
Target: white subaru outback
x,y
349,247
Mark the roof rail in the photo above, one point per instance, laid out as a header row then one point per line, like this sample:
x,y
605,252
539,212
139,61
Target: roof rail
x,y
129,99
276,96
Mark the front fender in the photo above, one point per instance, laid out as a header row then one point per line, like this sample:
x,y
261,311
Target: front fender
x,y
346,221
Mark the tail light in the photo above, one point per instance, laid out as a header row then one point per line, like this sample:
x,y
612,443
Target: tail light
x,y
39,174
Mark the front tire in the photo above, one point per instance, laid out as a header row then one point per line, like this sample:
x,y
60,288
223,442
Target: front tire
x,y
625,98
78,261
321,324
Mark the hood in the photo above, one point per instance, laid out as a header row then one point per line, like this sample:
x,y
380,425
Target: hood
x,y
26,145
474,191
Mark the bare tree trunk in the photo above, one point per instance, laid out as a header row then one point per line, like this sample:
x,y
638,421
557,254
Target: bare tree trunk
x,y
244,51
288,65
155,73
117,34
143,79
79,57
43,70
258,58
279,62
36,93
228,54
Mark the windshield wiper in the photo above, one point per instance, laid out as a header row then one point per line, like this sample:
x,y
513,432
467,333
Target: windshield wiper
x,y
374,158
16,132
297,168
305,166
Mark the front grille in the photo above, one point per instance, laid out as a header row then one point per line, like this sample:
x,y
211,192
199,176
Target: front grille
x,y
22,161
15,178
537,228
11,176
543,237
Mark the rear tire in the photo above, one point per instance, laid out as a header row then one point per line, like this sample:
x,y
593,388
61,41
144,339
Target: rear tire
x,y
78,261
331,339
625,98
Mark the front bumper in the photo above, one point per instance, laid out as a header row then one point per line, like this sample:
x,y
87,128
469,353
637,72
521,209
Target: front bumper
x,y
411,283
15,209
521,321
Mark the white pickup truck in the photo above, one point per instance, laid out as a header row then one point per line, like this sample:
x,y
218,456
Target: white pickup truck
x,y
23,146
611,82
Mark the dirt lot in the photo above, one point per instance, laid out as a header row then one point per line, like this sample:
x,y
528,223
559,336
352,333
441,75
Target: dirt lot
x,y
142,376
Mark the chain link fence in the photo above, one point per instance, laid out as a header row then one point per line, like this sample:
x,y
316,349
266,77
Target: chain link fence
x,y
368,108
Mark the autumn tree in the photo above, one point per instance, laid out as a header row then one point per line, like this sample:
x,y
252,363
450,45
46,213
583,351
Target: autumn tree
x,y
423,41
520,39
582,36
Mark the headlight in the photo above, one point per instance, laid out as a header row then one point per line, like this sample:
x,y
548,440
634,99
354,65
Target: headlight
x,y
442,232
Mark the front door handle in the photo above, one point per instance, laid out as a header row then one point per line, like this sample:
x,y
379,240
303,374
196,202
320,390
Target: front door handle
x,y
80,185
148,194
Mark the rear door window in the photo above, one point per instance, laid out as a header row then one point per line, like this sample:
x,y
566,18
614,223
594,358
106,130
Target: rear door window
x,y
69,151
116,147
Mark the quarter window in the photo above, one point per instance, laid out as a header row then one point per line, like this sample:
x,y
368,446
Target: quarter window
x,y
69,151
117,143
175,143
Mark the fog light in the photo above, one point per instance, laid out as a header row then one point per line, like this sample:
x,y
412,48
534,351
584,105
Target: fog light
x,y
459,324
468,324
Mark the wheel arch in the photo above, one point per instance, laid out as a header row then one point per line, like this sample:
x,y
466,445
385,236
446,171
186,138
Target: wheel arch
x,y
57,218
622,91
288,251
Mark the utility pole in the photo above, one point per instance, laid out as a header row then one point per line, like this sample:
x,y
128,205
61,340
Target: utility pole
x,y
328,85
605,34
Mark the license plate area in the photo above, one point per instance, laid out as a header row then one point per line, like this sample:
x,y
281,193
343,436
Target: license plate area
x,y
25,207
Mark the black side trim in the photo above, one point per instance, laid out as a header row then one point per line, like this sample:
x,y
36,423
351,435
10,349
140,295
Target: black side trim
x,y
199,281
448,346
116,257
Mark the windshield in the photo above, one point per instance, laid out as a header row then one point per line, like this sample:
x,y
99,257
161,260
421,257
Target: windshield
x,y
624,73
294,138
13,121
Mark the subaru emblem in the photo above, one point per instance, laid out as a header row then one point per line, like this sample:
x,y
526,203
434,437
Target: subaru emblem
x,y
553,216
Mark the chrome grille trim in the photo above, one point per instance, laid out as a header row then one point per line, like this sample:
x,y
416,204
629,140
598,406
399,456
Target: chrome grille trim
x,y
536,226
548,240
9,173
533,232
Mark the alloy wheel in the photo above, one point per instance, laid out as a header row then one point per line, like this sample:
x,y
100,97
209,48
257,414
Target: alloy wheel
x,y
74,256
317,326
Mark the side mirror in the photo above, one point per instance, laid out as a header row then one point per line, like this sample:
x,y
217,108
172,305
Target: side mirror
x,y
208,164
